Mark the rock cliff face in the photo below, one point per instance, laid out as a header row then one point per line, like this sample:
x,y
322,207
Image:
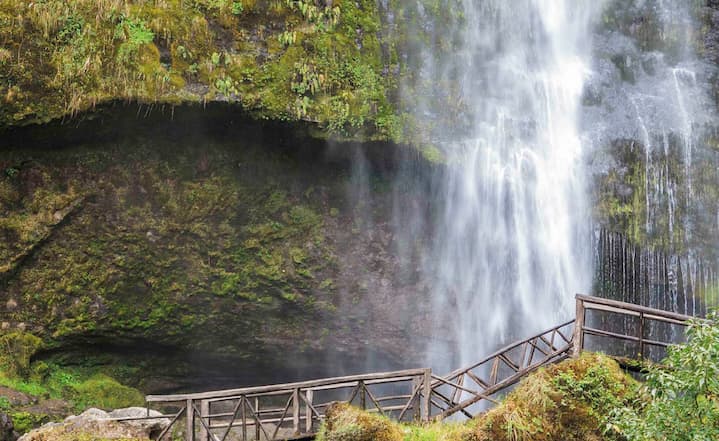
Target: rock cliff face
x,y
203,237
650,113
207,237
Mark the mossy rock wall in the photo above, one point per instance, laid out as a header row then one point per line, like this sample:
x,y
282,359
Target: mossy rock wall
x,y
202,234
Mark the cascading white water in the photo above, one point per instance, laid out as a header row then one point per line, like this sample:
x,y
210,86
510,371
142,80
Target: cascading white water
x,y
654,96
511,245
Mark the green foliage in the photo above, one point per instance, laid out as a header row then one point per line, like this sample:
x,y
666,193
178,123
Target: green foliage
x,y
23,422
681,395
315,61
135,34
17,348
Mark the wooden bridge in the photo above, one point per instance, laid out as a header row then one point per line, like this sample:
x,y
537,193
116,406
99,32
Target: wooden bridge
x,y
296,410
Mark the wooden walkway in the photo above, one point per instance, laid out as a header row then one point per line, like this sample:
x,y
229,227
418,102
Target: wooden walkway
x,y
296,410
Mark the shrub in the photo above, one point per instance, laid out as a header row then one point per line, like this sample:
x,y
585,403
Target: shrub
x,y
681,396
24,422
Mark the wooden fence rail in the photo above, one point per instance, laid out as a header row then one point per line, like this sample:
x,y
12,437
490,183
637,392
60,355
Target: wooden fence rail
x,y
644,316
295,410
463,388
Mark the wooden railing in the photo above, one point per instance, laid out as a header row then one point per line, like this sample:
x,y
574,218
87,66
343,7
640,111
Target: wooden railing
x,y
293,410
644,318
463,388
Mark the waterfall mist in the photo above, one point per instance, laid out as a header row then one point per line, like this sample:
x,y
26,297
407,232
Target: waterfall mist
x,y
525,102
650,117
497,90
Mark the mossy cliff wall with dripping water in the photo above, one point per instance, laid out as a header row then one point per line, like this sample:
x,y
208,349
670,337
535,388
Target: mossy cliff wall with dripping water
x,y
208,236
655,176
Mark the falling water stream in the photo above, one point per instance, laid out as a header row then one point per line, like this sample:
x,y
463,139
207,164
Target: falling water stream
x,y
543,86
505,259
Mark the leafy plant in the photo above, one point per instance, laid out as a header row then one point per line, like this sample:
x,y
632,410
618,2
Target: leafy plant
x,y
135,33
287,38
237,8
681,396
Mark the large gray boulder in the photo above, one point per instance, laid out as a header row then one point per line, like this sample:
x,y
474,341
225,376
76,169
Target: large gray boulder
x,y
97,423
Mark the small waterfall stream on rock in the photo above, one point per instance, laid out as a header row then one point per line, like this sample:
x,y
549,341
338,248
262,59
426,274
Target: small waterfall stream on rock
x,y
652,102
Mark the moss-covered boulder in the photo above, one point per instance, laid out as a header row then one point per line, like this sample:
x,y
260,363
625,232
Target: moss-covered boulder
x,y
346,423
568,401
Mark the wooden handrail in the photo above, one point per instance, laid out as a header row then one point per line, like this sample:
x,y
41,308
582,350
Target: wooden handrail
x,y
506,349
279,388
644,313
591,302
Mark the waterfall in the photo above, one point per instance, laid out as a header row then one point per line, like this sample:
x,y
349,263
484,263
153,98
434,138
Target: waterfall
x,y
509,249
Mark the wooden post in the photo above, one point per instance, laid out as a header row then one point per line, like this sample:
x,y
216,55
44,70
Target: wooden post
x,y
258,428
308,411
578,336
296,411
190,421
363,395
243,403
417,403
641,335
426,394
204,412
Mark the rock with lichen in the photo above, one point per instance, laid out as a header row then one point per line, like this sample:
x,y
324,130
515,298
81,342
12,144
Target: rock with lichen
x,y
95,424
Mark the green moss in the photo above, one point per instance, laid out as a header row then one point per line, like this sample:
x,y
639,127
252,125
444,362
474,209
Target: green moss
x,y
568,401
285,60
345,423
17,349
106,393
190,237
24,422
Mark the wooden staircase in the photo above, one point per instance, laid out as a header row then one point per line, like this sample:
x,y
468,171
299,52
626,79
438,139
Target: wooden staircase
x,y
296,410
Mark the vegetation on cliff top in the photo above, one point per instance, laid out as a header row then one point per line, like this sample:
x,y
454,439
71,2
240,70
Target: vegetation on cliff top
x,y
281,59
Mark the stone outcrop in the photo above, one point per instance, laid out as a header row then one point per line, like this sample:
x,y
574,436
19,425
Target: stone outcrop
x,y
99,424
